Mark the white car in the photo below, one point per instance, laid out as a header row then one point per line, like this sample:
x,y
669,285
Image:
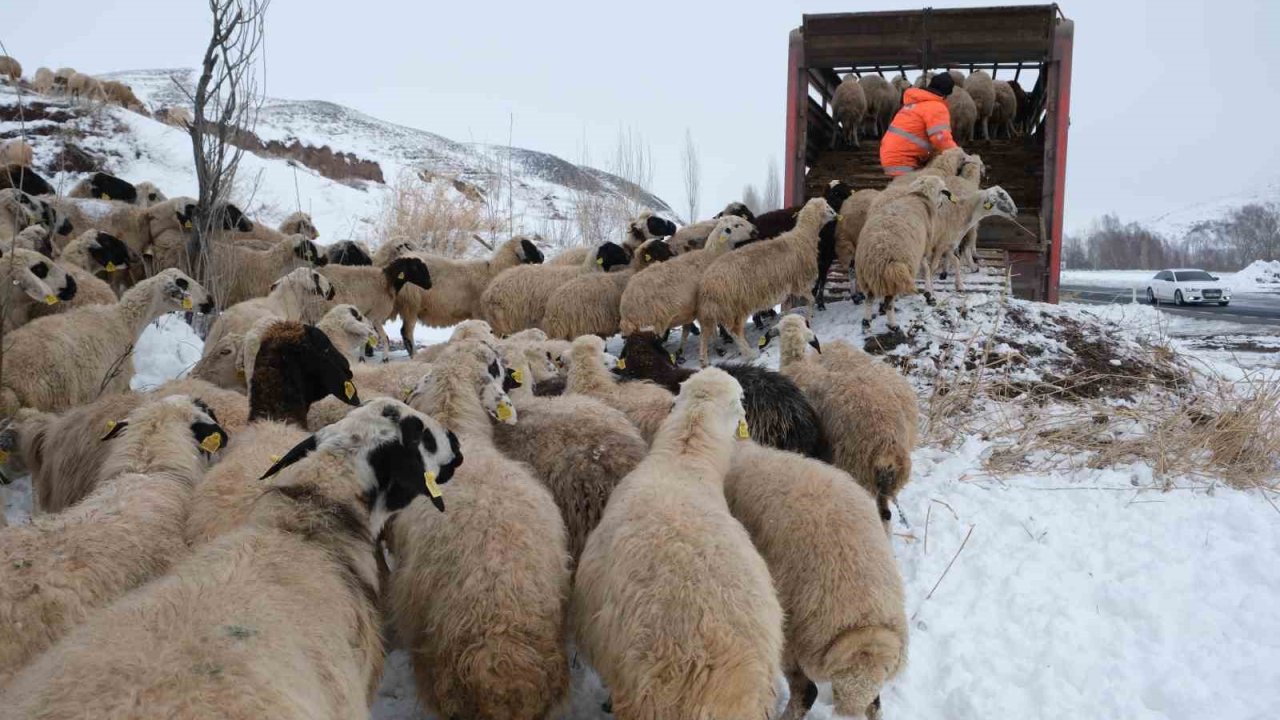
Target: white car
x,y
1186,285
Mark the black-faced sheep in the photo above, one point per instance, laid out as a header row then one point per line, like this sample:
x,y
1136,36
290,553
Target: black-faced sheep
x,y
589,304
853,215
374,289
29,280
644,227
517,298
248,273
277,619
56,570
484,626
23,178
91,254
761,275
666,557
103,186
349,252
456,286
56,362
834,571
299,223
871,404
778,412
694,235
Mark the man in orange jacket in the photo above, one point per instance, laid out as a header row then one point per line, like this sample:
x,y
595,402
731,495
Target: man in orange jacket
x,y
921,128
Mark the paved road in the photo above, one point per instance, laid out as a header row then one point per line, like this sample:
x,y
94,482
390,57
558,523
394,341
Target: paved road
x,y
1249,308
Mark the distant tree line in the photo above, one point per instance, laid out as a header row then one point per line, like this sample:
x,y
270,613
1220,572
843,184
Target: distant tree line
x,y
1248,233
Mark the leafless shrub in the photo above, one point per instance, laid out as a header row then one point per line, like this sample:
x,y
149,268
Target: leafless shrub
x,y
431,215
692,175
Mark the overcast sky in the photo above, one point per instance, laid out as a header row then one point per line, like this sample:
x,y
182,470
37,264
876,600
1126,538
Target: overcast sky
x,y
1171,101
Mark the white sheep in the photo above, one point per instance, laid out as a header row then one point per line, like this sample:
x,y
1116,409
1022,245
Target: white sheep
x,y
645,404
302,295
848,108
375,289
672,604
517,298
894,240
982,88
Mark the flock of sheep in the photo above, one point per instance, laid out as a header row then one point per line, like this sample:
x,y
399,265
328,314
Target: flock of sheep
x,y
84,87
864,106
248,540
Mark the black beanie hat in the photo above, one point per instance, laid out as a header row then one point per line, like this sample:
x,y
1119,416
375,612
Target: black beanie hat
x,y
942,84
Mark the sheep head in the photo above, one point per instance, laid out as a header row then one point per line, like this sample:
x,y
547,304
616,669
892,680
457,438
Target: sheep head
x,y
610,255
207,436
731,231
108,252
712,399
739,209
933,189
529,253
995,201
405,270
37,276
177,291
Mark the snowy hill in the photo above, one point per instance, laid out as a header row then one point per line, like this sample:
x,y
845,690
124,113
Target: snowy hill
x,y
543,187
1175,224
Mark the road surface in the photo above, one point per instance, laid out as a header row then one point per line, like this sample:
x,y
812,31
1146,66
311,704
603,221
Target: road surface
x,y
1248,308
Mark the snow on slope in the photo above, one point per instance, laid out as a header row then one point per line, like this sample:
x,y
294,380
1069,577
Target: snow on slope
x,y
1175,224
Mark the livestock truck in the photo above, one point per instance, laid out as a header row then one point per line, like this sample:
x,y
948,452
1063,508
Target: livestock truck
x,y
1010,43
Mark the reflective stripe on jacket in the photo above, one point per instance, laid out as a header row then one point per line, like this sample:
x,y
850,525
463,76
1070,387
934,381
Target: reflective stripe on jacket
x,y
921,128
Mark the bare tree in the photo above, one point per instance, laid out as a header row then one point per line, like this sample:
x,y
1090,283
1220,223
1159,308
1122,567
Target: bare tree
x,y
692,175
751,198
633,162
226,101
771,198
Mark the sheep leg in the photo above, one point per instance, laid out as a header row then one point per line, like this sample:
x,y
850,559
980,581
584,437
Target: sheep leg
x,y
866,314
986,129
804,693
684,338
739,334
928,281
887,308
856,297
384,343
407,326
954,262
704,341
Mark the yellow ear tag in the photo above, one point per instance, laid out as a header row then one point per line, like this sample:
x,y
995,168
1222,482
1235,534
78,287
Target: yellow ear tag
x,y
400,276
762,341
50,299
518,376
373,341
432,488
4,456
106,196
504,411
622,364
743,432
274,459
111,425
186,303
407,394
987,206
349,389
673,358
240,373
111,267
600,262
186,225
648,257
212,444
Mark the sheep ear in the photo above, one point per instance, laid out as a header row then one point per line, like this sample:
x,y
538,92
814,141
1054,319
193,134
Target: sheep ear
x,y
299,451
114,429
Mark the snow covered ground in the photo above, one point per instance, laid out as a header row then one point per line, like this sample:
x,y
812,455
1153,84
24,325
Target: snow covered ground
x,y
1104,592
1259,276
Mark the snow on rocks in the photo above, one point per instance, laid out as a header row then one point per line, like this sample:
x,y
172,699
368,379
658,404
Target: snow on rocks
x,y
1259,276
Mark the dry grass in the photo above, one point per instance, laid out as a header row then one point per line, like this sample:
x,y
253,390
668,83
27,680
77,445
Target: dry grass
x,y
433,216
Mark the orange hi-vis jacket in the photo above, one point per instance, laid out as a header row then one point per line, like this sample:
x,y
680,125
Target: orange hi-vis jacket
x,y
921,128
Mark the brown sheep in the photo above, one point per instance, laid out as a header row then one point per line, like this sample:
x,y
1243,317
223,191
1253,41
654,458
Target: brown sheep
x,y
11,69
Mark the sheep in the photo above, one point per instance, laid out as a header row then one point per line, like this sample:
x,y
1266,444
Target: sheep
x,y
42,81
276,619
91,253
302,295
351,332
56,362
761,275
61,77
299,223
122,95
848,108
1004,112
964,113
589,304
159,231
923,79
103,186
18,211
694,236
58,569
465,330
640,229
579,448
893,241
880,102
63,474
148,195
958,221
666,296
27,281
957,77
478,593
457,286
1022,119
175,115
11,69
646,405
34,238
874,407
981,87
17,152
21,177
349,252
517,298
779,414
249,273
834,572
86,87
374,289
900,85
853,215
666,557
169,228
776,222
296,368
